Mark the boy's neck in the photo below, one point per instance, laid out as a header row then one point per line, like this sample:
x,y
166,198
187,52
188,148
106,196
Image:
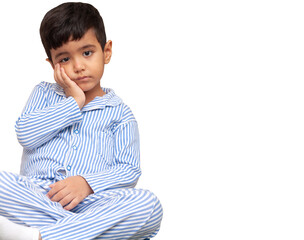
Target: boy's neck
x,y
90,95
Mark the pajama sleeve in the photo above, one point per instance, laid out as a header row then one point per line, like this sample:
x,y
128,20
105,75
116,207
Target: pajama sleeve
x,y
125,170
40,121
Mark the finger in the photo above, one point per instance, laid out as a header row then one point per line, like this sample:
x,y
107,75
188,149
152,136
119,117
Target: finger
x,y
66,200
65,77
72,204
60,195
55,188
50,193
57,75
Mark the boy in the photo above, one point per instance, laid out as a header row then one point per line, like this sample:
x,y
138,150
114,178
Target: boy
x,y
81,146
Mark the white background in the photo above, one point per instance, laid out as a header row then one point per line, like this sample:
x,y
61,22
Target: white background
x,y
217,89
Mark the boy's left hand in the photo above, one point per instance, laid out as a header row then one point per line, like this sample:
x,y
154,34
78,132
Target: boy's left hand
x,y
70,191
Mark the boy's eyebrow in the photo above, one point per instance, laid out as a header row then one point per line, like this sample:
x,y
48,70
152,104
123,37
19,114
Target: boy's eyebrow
x,y
79,49
87,46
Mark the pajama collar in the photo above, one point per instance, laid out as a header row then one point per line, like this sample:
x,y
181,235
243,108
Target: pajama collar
x,y
110,99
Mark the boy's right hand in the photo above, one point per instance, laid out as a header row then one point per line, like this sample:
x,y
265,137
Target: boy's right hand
x,y
70,87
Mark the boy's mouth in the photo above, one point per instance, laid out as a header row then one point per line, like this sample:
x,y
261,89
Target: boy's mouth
x,y
81,78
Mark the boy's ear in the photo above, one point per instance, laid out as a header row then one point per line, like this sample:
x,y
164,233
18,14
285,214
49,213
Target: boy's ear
x,y
48,60
108,52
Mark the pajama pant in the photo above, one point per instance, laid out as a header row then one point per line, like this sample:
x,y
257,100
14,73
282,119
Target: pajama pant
x,y
112,214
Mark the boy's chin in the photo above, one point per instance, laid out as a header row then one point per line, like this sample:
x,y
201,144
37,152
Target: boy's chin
x,y
86,88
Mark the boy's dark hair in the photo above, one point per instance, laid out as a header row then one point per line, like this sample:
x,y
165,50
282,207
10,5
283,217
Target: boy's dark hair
x,y
70,20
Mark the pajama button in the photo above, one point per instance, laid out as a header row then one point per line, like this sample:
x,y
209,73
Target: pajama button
x,y
68,167
76,131
74,147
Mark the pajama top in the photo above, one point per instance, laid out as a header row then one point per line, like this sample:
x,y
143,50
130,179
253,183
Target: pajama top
x,y
100,142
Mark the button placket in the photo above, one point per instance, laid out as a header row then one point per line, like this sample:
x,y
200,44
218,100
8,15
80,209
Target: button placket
x,y
74,145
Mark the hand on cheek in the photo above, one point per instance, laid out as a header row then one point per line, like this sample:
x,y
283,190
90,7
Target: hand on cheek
x,y
70,87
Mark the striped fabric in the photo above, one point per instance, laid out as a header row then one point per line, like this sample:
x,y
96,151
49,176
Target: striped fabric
x,y
99,142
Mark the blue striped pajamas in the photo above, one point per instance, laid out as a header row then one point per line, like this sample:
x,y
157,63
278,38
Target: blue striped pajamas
x,y
100,142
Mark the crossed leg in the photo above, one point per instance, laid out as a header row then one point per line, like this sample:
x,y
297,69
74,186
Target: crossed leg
x,y
113,214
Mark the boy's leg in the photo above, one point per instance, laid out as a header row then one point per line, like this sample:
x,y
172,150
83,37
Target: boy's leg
x,y
24,202
114,214
151,227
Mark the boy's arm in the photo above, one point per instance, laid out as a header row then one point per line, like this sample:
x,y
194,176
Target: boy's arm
x,y
39,122
125,170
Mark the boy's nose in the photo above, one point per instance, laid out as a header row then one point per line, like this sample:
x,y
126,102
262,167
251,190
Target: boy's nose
x,y
78,66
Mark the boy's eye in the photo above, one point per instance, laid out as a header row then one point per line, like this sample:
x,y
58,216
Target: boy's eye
x,y
87,53
64,60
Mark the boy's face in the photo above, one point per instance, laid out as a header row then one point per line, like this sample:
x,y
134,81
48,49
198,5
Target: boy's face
x,y
83,61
